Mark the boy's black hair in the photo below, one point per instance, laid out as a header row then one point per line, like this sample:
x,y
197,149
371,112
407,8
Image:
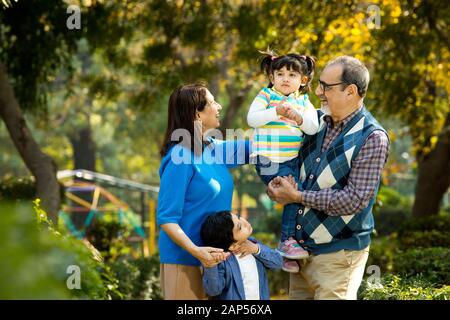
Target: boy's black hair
x,y
217,230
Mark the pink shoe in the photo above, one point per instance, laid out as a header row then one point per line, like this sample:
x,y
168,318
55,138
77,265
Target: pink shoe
x,y
292,250
290,266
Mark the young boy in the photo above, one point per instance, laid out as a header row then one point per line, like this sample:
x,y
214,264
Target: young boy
x,y
239,277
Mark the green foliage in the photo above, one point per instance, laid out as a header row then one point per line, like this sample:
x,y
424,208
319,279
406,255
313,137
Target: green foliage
x,y
22,189
438,223
382,252
433,264
424,239
425,232
389,220
278,282
17,188
35,42
390,211
393,287
267,238
415,261
391,198
138,278
109,237
35,258
411,59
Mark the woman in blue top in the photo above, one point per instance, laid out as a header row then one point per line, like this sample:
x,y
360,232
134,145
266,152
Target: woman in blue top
x,y
195,182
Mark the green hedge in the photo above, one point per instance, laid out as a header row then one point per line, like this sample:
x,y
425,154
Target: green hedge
x,y
22,189
433,264
393,287
390,220
17,188
382,252
424,239
138,278
437,223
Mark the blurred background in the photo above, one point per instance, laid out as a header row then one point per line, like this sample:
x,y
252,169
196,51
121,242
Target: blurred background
x,y
84,88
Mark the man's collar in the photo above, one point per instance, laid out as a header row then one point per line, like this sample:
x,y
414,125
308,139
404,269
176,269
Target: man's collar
x,y
329,120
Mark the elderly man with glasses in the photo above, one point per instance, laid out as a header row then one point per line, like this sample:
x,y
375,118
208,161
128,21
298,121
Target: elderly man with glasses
x,y
340,175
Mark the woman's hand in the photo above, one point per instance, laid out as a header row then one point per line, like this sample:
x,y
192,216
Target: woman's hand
x,y
283,190
209,256
246,248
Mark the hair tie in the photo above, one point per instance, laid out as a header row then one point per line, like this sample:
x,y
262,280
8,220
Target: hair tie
x,y
273,58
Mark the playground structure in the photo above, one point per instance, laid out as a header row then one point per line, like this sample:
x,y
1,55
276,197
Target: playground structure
x,y
86,190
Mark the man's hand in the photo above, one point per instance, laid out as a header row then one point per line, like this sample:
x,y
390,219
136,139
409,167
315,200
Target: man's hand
x,y
283,190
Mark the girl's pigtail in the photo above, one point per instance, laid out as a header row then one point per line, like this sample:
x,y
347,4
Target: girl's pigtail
x,y
310,67
311,63
266,63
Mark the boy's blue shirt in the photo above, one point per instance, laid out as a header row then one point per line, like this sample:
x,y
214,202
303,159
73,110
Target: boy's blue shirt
x,y
224,281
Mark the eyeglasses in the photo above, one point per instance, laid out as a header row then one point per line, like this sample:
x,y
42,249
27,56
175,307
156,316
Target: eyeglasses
x,y
327,86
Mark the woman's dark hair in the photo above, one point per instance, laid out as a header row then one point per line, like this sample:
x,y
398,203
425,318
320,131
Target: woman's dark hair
x,y
217,230
184,102
305,65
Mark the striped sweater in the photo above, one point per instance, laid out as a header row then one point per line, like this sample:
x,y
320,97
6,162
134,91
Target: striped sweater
x,y
276,137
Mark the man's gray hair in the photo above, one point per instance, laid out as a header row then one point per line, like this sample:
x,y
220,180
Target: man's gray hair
x,y
353,72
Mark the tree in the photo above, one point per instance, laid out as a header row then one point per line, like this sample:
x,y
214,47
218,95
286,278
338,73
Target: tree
x,y
35,42
32,44
411,65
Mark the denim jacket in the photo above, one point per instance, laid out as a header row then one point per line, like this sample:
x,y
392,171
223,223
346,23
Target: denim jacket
x,y
224,281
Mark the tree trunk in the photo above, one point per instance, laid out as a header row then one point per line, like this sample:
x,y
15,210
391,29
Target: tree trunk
x,y
83,149
237,98
433,175
40,164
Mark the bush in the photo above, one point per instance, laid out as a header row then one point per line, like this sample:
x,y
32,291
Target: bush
x,y
389,220
278,282
138,279
17,188
437,223
23,189
382,252
424,239
433,264
34,260
269,239
109,237
390,211
393,287
390,198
